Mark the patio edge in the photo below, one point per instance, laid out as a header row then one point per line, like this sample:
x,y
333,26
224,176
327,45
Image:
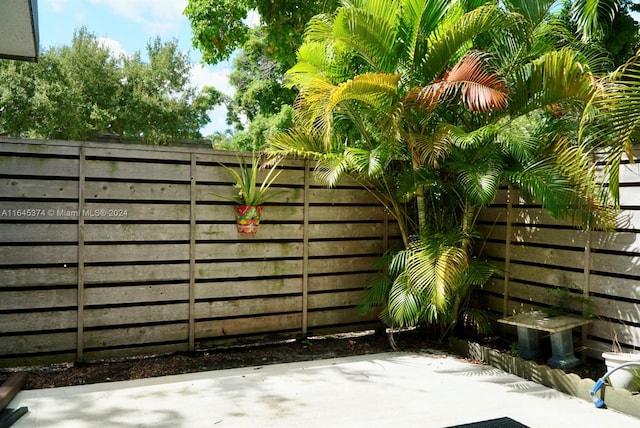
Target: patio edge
x,y
569,383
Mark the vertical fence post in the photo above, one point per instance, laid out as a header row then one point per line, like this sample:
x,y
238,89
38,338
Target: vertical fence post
x,y
81,255
305,249
507,252
586,289
192,253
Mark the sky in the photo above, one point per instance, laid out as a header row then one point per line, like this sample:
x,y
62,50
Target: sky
x,y
126,26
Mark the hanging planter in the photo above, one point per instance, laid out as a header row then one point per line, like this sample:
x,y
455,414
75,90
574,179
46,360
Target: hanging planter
x,y
248,218
251,195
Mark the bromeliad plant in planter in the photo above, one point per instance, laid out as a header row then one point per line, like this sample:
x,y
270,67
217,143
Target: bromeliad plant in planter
x,y
251,195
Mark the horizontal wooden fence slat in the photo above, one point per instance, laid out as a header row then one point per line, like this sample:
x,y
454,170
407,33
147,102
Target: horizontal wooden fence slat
x,y
34,299
254,287
136,273
136,191
243,307
17,187
114,316
37,322
138,293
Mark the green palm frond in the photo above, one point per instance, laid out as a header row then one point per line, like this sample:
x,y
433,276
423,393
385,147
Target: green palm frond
x,y
556,81
370,31
321,100
592,16
541,182
445,46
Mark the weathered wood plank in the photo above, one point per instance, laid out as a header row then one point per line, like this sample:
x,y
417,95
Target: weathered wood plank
x,y
40,321
244,307
136,252
37,299
270,213
39,232
606,330
339,282
629,196
117,169
340,213
350,230
114,316
226,231
221,193
539,235
126,232
36,210
136,273
34,188
256,287
42,148
249,250
37,277
341,265
136,351
618,309
248,269
546,275
612,263
342,196
493,215
548,256
621,241
35,343
331,317
138,335
17,166
628,219
629,173
141,151
245,326
360,247
41,254
136,294
135,211
335,299
136,191
612,286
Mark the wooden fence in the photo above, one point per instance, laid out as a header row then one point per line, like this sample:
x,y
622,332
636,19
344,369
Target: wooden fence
x,y
538,253
115,250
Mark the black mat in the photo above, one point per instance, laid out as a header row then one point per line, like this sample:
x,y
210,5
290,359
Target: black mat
x,y
9,416
493,423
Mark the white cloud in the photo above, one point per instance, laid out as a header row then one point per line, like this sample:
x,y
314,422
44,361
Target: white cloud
x,y
158,17
201,76
113,45
55,5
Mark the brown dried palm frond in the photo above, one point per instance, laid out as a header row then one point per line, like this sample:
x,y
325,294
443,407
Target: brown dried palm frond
x,y
479,89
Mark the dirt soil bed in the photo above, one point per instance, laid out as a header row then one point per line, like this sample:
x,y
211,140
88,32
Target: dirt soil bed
x,y
248,356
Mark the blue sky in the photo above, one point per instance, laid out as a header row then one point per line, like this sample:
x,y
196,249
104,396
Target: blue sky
x,y
126,26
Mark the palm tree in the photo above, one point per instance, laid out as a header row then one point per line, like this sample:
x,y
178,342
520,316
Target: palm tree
x,y
432,105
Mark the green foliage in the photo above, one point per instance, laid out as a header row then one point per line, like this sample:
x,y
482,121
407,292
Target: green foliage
x,y
433,105
250,191
81,90
566,300
219,26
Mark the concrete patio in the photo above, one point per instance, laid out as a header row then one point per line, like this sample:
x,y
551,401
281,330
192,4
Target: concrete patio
x,y
378,390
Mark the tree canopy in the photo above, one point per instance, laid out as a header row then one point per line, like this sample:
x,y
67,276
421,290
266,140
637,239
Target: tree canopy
x,y
219,26
82,90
